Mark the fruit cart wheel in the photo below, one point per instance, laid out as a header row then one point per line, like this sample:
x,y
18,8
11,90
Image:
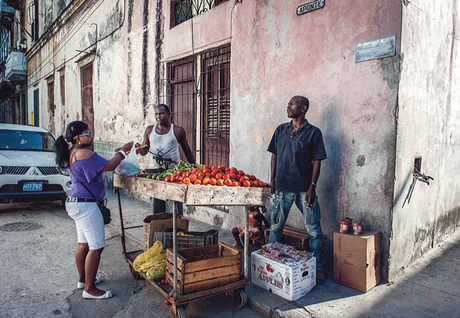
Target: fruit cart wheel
x,y
240,298
135,274
181,313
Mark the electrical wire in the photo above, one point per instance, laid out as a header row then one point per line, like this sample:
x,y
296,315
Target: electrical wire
x,y
48,58
85,49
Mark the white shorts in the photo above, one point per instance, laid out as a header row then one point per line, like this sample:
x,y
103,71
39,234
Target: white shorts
x,y
89,221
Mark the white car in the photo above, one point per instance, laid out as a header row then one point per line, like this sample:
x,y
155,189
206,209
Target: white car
x,y
28,171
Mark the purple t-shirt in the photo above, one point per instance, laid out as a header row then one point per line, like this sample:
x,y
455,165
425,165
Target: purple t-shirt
x,y
88,171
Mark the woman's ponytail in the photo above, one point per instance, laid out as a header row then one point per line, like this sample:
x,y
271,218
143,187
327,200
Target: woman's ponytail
x,y
62,153
74,129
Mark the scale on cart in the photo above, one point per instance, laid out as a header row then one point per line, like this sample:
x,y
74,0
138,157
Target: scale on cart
x,y
194,195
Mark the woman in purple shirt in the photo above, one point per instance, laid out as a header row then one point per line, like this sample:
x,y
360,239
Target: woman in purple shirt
x,y
86,168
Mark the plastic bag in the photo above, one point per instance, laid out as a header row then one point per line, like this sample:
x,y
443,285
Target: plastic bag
x,y
130,165
152,262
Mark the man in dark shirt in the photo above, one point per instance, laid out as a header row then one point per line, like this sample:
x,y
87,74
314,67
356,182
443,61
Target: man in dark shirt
x,y
297,149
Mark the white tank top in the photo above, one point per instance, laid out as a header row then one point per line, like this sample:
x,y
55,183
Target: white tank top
x,y
165,146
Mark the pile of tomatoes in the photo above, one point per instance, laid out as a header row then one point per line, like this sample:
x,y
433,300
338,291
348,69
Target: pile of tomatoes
x,y
215,176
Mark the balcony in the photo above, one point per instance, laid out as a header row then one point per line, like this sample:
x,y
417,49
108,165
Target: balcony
x,y
16,68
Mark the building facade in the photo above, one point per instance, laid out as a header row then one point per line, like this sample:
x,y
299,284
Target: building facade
x,y
228,68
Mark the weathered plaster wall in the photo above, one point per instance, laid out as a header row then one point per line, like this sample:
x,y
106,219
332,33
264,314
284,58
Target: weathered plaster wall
x,y
123,72
429,115
275,55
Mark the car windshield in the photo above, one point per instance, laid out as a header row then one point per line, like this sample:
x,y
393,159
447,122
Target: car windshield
x,y
26,140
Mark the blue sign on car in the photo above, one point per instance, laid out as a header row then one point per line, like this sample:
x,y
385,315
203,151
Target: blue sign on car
x,y
32,186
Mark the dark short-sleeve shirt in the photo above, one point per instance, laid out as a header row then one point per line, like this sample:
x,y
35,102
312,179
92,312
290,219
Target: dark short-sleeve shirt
x,y
295,153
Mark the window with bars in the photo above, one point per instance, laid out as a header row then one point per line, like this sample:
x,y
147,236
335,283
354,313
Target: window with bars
x,y
183,10
215,88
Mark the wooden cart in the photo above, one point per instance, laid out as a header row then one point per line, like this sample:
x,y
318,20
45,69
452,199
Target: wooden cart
x,y
192,196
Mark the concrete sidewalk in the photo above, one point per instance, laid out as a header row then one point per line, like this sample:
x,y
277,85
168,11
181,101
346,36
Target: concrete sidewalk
x,y
430,288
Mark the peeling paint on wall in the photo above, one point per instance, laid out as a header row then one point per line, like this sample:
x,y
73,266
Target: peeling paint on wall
x,y
145,60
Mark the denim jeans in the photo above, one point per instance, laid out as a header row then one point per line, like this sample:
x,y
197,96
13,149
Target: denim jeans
x,y
281,207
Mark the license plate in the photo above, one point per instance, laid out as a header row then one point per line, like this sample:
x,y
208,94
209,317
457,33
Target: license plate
x,y
32,186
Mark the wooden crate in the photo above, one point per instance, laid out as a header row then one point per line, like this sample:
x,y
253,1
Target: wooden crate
x,y
202,268
294,237
158,223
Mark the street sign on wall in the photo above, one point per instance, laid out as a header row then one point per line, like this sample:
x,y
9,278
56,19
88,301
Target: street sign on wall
x,y
310,6
376,49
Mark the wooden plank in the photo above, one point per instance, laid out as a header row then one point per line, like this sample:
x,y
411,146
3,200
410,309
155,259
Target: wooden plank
x,y
230,196
181,299
212,263
195,251
180,261
152,188
210,283
212,274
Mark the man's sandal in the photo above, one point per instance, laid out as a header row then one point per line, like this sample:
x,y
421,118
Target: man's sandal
x,y
82,285
87,295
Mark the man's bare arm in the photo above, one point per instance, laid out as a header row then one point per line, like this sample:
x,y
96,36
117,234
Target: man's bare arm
x,y
146,143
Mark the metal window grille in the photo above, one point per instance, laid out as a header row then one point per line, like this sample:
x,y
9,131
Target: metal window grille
x,y
215,101
183,10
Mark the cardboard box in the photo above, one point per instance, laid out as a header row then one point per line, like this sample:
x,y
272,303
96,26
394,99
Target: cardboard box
x,y
357,260
161,222
290,281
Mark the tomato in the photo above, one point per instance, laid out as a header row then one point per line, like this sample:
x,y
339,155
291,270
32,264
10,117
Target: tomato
x,y
234,170
246,183
180,172
213,168
252,177
242,179
236,184
218,176
233,176
186,181
173,178
262,184
209,175
201,175
167,303
214,172
228,182
207,171
205,167
197,182
221,167
240,172
213,181
193,177
168,179
206,181
255,183
227,170
226,176
220,182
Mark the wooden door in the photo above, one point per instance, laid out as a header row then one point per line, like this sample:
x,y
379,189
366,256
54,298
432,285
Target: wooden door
x,y
87,107
51,107
183,99
36,108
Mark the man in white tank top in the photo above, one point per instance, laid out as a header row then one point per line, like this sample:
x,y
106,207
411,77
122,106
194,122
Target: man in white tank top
x,y
163,139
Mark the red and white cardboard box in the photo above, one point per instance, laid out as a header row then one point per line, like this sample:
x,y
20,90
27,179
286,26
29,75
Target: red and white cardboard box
x,y
290,281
